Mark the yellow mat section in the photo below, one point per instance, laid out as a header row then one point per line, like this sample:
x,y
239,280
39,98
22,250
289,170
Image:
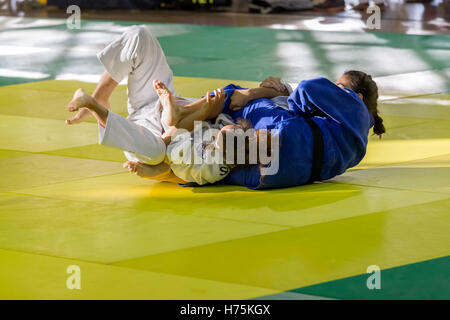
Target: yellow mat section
x,y
65,200
30,276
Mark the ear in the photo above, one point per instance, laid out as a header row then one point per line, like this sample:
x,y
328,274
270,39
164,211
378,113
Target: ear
x,y
361,96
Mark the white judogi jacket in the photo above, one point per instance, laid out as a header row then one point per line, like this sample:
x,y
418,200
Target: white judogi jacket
x,y
195,160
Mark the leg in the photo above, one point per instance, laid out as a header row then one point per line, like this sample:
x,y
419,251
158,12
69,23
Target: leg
x,y
139,142
183,116
136,54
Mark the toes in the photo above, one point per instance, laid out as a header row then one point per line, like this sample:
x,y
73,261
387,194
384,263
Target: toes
x,y
126,164
130,165
140,170
162,86
71,107
156,84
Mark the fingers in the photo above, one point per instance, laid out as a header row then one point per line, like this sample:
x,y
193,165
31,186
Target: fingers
x,y
219,95
216,96
274,83
266,82
223,95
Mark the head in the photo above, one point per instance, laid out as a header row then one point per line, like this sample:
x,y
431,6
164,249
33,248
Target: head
x,y
249,143
363,85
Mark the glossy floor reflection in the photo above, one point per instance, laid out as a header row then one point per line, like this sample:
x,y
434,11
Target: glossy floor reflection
x,y
65,200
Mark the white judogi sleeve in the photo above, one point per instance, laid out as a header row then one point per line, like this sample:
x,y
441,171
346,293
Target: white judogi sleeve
x,y
196,161
140,143
287,86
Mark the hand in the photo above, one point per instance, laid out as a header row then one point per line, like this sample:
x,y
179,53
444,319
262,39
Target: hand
x,y
239,99
215,103
274,83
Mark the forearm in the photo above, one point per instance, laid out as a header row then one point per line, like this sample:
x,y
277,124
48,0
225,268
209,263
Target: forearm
x,y
262,92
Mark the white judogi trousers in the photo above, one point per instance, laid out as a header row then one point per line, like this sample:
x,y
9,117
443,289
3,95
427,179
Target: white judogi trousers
x,y
137,55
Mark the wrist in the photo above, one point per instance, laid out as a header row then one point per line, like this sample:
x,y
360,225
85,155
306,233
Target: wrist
x,y
252,94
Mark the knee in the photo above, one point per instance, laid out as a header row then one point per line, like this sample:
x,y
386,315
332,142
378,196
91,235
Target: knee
x,y
140,42
139,32
158,153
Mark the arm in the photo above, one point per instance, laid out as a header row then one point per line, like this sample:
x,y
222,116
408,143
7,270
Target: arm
x,y
269,88
243,96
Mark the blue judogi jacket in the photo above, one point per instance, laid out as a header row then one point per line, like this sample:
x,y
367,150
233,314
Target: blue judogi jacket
x,y
341,115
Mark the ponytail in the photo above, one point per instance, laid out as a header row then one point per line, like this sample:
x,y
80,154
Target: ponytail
x,y
363,83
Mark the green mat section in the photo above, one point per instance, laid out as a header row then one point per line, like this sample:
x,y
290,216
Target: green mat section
x,y
424,280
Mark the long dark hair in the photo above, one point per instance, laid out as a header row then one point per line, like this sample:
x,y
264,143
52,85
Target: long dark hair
x,y
363,83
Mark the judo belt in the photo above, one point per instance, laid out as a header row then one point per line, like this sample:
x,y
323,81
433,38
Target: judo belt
x,y
318,151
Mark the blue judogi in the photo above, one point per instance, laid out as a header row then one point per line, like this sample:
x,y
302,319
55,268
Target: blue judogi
x,y
341,115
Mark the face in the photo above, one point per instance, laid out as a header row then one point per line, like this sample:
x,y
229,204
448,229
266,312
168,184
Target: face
x,y
344,82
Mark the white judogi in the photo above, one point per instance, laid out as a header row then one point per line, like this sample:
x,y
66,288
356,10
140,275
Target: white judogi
x,y
138,56
180,152
183,150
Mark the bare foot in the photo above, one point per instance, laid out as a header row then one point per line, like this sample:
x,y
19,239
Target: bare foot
x,y
144,170
81,115
80,100
172,111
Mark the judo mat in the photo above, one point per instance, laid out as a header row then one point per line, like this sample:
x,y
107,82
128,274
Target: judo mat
x,y
65,200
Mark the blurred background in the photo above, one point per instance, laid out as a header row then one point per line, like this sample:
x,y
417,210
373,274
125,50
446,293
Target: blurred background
x,y
404,16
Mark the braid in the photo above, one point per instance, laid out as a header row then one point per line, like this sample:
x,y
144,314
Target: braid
x,y
363,83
